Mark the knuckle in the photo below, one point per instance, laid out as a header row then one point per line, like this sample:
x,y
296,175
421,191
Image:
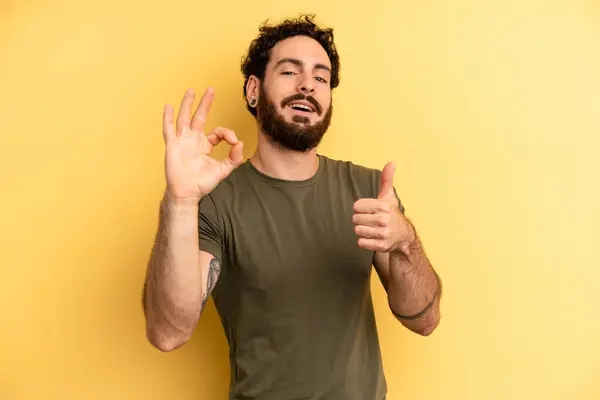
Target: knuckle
x,y
224,130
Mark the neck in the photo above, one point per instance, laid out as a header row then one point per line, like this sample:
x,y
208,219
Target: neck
x,y
284,164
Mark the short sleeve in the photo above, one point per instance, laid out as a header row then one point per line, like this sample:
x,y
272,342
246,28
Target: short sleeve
x,y
400,205
209,227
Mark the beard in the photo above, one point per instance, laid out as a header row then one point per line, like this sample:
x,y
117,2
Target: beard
x,y
298,135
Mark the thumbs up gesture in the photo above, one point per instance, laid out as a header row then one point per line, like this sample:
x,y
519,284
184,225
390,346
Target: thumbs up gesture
x,y
379,223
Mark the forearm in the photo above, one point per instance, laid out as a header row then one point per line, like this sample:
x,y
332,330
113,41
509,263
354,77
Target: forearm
x,y
172,293
414,289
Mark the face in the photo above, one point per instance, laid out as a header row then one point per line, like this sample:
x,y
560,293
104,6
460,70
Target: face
x,y
294,99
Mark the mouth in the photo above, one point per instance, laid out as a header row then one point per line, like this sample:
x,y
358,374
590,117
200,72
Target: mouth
x,y
301,107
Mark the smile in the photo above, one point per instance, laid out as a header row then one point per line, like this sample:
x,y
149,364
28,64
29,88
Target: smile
x,y
302,108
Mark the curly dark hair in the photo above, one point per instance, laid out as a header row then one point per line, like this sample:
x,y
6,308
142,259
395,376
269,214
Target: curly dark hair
x,y
255,62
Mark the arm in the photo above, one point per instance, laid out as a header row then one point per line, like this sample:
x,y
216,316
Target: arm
x,y
412,285
174,294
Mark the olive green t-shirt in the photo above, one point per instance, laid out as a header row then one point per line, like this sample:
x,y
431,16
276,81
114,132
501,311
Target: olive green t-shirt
x,y
293,293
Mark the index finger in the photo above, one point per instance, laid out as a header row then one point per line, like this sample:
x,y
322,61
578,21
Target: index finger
x,y
201,113
367,206
220,134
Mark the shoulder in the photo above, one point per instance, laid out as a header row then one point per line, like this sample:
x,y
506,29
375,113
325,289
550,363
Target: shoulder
x,y
363,175
221,198
352,167
366,179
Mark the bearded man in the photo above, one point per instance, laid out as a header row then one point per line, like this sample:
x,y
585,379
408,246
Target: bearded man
x,y
285,241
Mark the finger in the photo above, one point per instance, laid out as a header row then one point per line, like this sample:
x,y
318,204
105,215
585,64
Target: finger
x,y
368,220
168,128
201,114
387,180
368,232
183,118
236,155
233,160
219,134
369,206
213,139
371,244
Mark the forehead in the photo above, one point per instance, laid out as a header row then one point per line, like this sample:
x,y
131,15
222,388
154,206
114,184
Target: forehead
x,y
302,48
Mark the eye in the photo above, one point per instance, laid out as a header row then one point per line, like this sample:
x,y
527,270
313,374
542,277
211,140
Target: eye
x,y
321,79
287,73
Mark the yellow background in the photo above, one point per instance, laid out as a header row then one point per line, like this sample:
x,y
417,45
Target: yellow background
x,y
490,108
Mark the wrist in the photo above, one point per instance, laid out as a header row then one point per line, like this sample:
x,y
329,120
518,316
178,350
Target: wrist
x,y
407,247
402,265
170,201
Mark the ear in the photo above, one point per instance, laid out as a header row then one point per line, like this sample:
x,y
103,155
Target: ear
x,y
252,87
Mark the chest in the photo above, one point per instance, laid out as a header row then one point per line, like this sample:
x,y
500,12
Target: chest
x,y
295,240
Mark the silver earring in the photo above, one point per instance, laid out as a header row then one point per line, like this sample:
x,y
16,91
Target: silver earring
x,y
252,102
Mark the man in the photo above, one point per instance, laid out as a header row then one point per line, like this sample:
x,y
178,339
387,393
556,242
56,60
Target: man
x,y
285,241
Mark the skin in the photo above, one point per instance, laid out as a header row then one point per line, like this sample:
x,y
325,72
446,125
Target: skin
x,y
179,277
412,285
283,79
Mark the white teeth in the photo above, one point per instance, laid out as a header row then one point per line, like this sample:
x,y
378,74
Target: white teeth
x,y
301,107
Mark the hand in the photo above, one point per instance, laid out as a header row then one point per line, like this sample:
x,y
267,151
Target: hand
x,y
379,223
190,171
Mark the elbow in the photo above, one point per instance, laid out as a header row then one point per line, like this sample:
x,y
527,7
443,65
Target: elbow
x,y
166,342
427,328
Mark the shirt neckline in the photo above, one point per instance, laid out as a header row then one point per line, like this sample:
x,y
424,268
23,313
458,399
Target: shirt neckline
x,y
289,183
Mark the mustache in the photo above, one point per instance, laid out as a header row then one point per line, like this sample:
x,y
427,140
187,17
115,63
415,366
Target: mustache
x,y
300,96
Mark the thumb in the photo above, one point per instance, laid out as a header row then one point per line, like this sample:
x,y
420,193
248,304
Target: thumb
x,y
387,180
235,157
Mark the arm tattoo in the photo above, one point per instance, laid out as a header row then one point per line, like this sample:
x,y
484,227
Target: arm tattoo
x,y
214,268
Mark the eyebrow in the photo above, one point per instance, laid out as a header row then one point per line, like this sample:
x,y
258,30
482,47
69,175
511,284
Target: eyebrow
x,y
300,63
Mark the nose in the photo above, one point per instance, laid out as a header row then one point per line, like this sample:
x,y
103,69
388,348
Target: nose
x,y
306,85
